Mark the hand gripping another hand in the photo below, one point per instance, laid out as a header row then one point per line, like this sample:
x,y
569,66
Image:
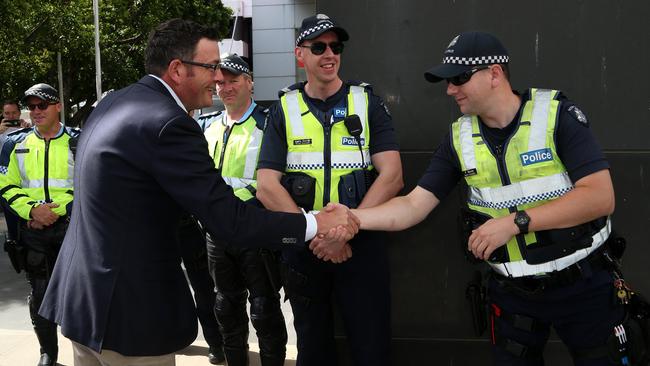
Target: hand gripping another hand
x,y
336,226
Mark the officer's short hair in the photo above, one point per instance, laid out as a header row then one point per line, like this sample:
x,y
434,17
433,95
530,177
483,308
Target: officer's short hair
x,y
174,39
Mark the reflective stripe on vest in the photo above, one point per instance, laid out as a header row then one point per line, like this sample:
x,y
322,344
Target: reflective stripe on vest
x,y
238,183
306,143
528,174
521,268
239,166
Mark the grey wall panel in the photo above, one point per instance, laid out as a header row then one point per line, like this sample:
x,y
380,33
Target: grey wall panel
x,y
595,51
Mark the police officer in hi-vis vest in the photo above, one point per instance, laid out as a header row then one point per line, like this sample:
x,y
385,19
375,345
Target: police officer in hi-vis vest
x,y
36,172
234,139
329,140
539,196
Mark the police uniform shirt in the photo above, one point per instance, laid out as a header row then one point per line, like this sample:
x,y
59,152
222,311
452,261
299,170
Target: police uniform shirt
x,y
273,154
576,146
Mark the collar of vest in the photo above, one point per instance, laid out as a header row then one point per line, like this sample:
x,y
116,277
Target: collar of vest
x,y
58,134
243,118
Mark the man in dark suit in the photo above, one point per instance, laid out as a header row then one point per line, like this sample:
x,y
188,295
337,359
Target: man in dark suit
x,y
118,290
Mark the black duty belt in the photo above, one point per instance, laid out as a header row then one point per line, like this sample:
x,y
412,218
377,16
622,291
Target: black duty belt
x,y
598,260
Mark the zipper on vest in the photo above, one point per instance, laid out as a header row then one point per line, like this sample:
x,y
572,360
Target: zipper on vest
x,y
226,134
327,159
46,170
498,151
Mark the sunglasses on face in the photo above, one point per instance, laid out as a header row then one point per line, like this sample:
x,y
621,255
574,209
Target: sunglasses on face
x,y
42,106
318,48
461,79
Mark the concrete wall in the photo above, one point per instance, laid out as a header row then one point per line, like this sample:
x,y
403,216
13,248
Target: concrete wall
x,y
596,51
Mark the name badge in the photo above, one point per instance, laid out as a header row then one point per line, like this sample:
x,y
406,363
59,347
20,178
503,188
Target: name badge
x,y
469,172
302,142
536,156
22,151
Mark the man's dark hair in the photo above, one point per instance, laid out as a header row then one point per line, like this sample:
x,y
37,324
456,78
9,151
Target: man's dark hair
x,y
174,39
11,101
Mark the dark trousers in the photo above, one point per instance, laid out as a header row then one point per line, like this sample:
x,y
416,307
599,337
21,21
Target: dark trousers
x,y
42,248
583,315
241,273
195,259
360,287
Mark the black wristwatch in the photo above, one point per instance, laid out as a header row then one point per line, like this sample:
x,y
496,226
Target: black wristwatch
x,y
522,220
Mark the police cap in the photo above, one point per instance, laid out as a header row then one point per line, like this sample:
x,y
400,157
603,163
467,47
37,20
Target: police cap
x,y
466,51
315,25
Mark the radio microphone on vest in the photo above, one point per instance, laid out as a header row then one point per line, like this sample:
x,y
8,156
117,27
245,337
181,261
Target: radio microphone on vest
x,y
353,125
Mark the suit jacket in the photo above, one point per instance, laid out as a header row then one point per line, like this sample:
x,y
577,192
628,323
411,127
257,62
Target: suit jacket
x,y
118,284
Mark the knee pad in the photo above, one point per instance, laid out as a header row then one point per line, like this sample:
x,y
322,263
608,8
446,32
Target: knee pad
x,y
230,310
265,307
267,317
230,303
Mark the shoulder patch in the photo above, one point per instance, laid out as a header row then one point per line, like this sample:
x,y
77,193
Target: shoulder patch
x,y
385,108
578,115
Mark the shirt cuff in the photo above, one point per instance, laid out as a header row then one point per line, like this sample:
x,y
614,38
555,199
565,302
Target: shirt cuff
x,y
312,226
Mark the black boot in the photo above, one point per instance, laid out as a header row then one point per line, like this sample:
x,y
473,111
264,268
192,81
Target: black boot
x,y
237,356
46,360
215,355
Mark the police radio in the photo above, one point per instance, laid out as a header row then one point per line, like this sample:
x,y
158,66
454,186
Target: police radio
x,y
353,125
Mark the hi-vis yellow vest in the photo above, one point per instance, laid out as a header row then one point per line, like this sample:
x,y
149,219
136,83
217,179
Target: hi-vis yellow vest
x,y
526,174
35,171
235,150
325,152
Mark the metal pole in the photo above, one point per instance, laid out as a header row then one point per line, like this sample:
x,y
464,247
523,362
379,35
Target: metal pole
x,y
98,62
59,70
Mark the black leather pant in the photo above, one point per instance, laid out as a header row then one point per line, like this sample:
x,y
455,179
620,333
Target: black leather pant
x,y
240,273
42,249
195,259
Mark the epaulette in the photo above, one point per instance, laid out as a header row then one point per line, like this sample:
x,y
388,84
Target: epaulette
x,y
210,115
359,83
73,131
289,88
18,135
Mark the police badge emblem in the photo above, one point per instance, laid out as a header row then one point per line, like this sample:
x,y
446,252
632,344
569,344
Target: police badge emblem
x,y
578,115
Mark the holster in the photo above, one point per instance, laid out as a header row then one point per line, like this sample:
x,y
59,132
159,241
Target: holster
x,y
17,254
354,186
475,294
301,188
470,220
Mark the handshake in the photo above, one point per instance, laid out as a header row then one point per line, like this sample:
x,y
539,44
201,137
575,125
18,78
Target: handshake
x,y
336,226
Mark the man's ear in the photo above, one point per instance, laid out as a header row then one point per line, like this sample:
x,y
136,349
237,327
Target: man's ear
x,y
175,71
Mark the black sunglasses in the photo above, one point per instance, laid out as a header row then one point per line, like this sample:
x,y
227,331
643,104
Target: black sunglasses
x,y
318,48
42,106
461,79
212,67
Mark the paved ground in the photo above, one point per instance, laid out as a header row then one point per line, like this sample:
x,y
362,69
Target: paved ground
x,y
18,344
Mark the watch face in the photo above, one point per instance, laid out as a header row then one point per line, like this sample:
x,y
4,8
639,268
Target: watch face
x,y
521,218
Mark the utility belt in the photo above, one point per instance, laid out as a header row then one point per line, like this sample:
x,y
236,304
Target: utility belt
x,y
532,285
352,187
29,255
550,245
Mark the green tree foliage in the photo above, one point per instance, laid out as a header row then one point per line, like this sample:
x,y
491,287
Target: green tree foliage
x,y
32,33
